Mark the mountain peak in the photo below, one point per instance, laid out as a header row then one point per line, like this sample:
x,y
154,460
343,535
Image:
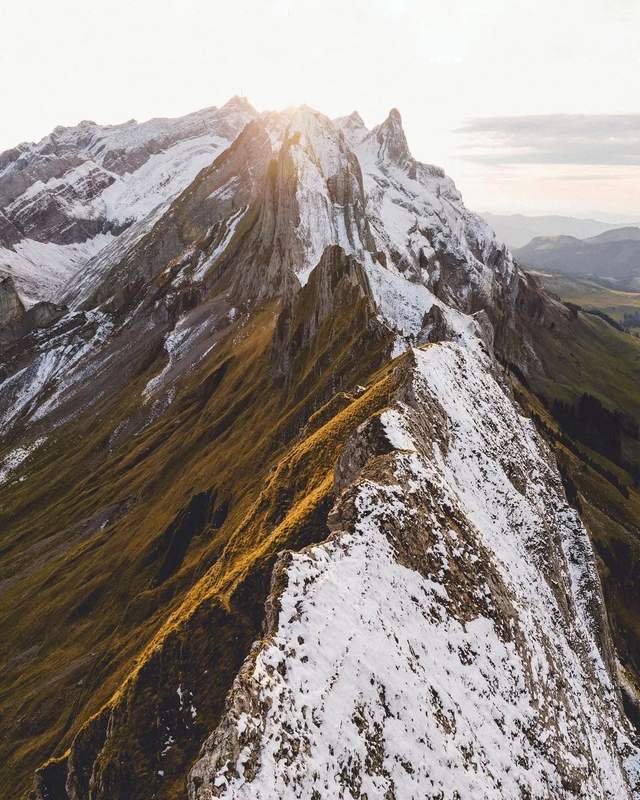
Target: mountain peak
x,y
238,103
395,116
392,142
355,120
622,234
352,126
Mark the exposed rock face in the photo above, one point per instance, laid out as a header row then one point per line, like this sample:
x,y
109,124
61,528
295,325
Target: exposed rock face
x,y
184,242
448,639
43,315
392,143
16,321
338,286
11,307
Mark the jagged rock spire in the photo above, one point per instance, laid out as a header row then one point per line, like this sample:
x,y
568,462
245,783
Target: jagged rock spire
x,y
356,120
353,127
352,121
392,142
239,103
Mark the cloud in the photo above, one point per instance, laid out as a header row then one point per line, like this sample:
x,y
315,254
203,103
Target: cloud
x,y
587,139
594,176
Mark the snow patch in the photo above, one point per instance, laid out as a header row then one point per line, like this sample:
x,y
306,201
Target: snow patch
x,y
16,457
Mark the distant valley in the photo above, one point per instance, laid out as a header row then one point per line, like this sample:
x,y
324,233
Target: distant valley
x,y
612,258
620,306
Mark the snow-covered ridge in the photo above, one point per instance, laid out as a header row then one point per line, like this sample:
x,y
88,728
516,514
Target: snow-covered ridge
x,y
65,198
448,639
419,220
76,191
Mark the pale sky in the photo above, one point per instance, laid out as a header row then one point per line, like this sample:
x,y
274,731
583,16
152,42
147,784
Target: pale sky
x,y
450,67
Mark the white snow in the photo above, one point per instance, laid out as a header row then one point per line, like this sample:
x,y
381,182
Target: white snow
x,y
398,435
41,269
403,303
173,345
229,229
59,363
15,458
320,154
162,177
409,214
176,344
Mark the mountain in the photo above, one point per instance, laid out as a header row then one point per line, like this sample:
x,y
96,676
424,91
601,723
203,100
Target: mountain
x,y
629,234
612,257
517,230
72,194
295,501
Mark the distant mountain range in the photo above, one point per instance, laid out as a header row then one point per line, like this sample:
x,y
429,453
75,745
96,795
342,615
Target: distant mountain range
x,y
516,230
612,257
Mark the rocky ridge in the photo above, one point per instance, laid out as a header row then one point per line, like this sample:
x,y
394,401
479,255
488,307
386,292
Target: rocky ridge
x,y
72,194
253,225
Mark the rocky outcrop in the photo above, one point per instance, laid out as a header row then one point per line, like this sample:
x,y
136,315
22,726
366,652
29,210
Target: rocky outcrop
x,y
43,315
392,142
12,309
52,212
336,293
16,320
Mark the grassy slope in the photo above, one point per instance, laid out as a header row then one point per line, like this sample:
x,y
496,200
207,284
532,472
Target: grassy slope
x,y
591,295
592,357
613,521
78,597
91,629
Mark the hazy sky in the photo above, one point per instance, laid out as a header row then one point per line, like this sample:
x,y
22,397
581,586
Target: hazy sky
x,y
479,84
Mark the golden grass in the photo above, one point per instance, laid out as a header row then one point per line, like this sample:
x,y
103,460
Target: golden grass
x,y
84,596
